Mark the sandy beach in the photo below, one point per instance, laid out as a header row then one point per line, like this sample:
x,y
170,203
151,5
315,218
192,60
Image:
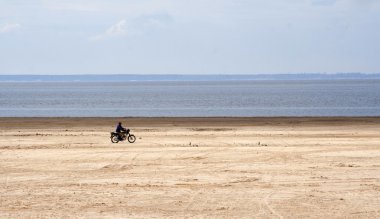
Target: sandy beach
x,y
190,167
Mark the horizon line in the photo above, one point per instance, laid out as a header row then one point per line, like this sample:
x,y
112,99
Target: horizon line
x,y
195,74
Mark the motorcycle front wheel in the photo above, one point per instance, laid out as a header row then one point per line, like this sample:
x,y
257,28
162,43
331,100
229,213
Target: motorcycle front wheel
x,y
131,138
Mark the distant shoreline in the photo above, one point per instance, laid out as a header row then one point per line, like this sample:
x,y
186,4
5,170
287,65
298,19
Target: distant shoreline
x,y
179,78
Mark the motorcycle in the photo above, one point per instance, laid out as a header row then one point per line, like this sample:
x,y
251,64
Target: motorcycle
x,y
122,136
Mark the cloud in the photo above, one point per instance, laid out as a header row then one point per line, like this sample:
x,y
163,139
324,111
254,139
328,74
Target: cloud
x,y
9,27
116,30
134,26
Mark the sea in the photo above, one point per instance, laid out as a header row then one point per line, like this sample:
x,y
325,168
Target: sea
x,y
94,96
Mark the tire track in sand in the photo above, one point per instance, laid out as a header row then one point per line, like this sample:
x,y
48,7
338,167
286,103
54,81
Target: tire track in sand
x,y
269,206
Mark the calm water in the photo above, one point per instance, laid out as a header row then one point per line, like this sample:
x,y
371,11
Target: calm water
x,y
243,98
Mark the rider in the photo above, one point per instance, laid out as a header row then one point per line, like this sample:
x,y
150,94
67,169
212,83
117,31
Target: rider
x,y
119,130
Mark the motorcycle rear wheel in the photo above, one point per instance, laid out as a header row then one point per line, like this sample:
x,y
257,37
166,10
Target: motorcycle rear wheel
x,y
115,139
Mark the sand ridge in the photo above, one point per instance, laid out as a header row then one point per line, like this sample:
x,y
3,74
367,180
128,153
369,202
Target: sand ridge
x,y
190,167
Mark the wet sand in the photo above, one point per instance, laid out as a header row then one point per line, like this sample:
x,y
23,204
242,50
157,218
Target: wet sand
x,y
190,167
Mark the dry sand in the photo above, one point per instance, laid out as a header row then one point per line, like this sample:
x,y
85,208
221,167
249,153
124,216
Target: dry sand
x,y
182,167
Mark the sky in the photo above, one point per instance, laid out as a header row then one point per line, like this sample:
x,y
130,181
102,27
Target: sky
x,y
189,36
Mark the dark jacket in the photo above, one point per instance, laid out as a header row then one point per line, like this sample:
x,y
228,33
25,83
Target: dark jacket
x,y
120,128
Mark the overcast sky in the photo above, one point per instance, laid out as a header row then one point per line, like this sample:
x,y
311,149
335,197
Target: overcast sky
x,y
189,36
